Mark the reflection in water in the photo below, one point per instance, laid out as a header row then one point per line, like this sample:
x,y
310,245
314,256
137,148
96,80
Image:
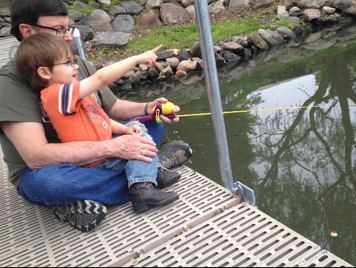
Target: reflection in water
x,y
301,163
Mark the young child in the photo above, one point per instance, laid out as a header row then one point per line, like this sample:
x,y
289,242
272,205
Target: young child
x,y
47,63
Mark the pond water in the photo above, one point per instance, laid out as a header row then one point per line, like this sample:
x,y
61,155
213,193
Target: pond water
x,y
300,162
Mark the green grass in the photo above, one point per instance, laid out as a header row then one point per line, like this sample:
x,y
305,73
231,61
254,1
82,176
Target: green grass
x,y
181,37
83,10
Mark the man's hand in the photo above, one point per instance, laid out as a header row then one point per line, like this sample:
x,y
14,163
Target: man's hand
x,y
132,147
163,118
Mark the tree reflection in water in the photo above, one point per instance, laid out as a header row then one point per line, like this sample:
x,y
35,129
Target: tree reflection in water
x,y
309,162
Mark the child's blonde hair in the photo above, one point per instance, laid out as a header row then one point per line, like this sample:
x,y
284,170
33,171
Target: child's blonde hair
x,y
40,50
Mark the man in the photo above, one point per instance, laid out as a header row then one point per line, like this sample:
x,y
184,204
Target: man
x,y
47,172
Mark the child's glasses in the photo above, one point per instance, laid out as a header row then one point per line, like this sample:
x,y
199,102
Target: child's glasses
x,y
68,63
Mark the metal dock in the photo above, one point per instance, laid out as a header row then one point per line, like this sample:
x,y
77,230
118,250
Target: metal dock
x,y
208,226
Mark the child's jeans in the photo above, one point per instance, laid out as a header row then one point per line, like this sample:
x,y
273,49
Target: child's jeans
x,y
136,170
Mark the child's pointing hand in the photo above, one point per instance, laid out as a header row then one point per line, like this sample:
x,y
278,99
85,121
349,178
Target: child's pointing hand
x,y
149,58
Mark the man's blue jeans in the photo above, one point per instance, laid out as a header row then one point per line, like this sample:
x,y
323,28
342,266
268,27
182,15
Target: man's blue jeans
x,y
62,184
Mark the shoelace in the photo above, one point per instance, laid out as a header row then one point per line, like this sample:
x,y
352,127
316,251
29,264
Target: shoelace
x,y
170,161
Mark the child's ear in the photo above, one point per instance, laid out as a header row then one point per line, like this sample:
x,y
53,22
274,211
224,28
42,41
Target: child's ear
x,y
43,72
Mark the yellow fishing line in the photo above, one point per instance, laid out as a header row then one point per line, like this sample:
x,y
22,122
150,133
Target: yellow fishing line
x,y
247,111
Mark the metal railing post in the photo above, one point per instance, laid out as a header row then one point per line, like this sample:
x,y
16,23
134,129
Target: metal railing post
x,y
212,83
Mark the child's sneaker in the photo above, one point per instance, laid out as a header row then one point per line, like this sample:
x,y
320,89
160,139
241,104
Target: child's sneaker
x,y
174,154
83,215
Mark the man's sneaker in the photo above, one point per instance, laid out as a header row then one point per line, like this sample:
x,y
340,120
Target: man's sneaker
x,y
83,215
145,196
166,178
174,154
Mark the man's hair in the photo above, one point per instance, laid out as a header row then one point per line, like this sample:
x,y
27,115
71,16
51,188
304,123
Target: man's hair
x,y
28,12
40,50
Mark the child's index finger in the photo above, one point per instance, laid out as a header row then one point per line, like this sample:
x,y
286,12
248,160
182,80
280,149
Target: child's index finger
x,y
157,48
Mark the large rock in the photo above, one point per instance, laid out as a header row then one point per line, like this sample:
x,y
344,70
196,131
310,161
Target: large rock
x,y
105,3
351,11
196,50
314,3
231,57
187,66
287,3
233,47
117,10
5,31
191,11
111,40
217,7
261,3
75,15
131,7
259,42
321,44
295,21
272,38
238,4
123,23
149,19
311,14
154,4
86,33
186,3
98,20
172,14
172,62
80,5
286,33
342,4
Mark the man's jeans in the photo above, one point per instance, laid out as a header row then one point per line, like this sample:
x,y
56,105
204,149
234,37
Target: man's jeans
x,y
136,171
62,184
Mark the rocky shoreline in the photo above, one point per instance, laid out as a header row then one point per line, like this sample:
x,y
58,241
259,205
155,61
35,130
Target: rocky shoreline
x,y
104,25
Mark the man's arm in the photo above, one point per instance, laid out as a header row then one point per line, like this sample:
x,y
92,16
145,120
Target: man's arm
x,y
30,141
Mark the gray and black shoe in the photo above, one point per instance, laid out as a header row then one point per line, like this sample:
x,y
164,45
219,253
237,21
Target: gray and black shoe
x,y
174,154
166,178
83,215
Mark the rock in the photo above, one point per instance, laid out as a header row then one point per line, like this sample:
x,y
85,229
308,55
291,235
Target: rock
x,y
80,5
135,80
94,4
105,3
294,10
311,14
196,50
321,44
238,4
317,4
172,62
272,38
167,72
98,20
123,23
261,3
200,65
286,30
346,20
143,75
231,57
111,40
131,7
186,3
287,3
183,55
282,16
218,49
5,12
162,55
259,42
75,15
154,4
160,67
5,31
331,18
181,73
143,67
313,37
294,21
128,74
171,14
191,11
153,73
342,4
126,86
149,19
86,33
351,11
328,10
217,7
187,66
176,52
117,10
174,2
143,2
233,47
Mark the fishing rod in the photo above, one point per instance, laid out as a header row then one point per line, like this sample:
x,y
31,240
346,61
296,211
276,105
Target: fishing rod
x,y
166,109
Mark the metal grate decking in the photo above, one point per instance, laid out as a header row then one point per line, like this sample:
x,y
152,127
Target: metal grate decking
x,y
8,47
208,226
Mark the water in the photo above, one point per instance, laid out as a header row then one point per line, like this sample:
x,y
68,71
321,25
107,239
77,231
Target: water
x,y
300,162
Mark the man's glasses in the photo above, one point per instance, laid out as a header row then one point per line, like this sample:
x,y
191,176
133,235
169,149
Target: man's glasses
x,y
68,63
59,32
